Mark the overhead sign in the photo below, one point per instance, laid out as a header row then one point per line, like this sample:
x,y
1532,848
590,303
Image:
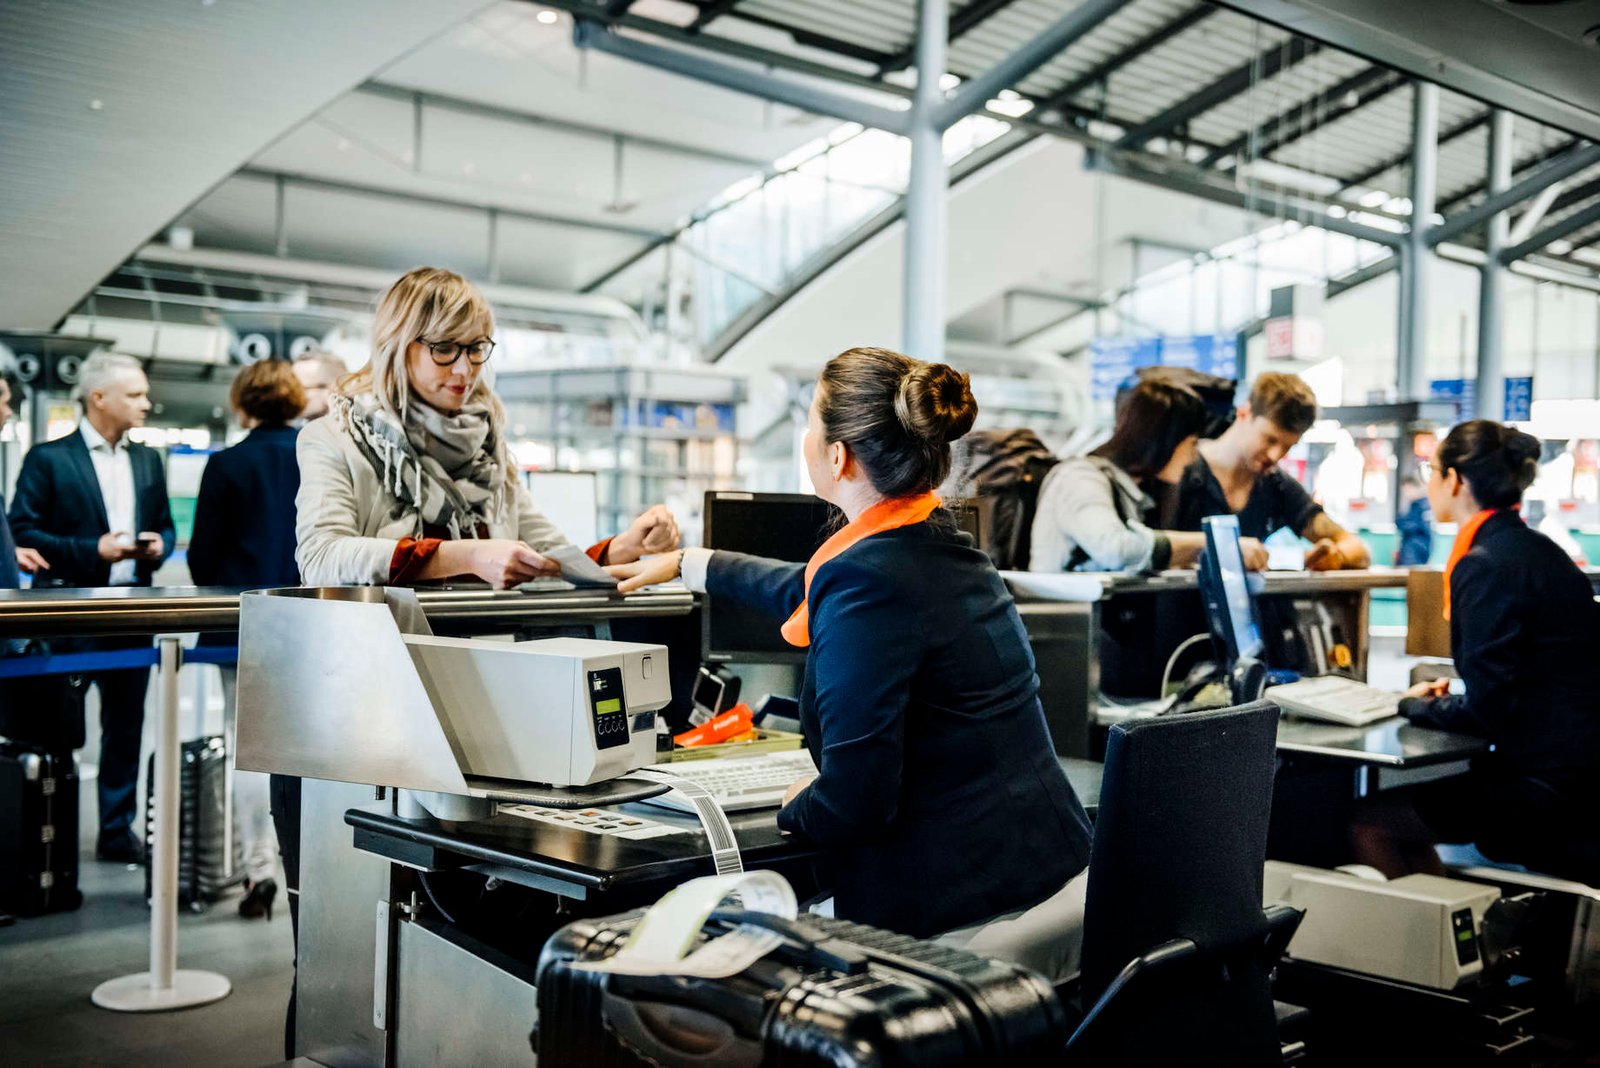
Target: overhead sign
x,y
1463,393
1112,360
1293,328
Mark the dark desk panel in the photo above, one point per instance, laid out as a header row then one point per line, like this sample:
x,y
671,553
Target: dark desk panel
x,y
1388,743
571,862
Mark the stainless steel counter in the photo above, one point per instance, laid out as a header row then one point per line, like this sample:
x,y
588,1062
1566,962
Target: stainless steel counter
x,y
53,613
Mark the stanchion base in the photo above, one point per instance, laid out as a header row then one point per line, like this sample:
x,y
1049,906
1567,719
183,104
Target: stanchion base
x,y
133,993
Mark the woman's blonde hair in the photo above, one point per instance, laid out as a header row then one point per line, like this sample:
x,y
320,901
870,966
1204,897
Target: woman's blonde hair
x,y
427,302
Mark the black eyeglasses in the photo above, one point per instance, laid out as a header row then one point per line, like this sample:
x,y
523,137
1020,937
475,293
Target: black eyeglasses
x,y
445,353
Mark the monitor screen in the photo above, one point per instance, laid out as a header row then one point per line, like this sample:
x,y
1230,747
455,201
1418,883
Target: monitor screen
x,y
1230,609
782,526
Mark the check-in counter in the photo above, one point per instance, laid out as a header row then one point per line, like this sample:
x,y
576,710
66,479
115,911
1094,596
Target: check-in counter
x,y
1094,623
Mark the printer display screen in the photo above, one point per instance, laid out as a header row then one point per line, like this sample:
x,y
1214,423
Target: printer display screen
x,y
610,708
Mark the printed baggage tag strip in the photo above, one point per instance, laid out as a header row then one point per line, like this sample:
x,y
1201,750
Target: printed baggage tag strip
x,y
661,943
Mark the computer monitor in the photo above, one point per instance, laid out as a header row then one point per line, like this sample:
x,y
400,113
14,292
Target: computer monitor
x,y
1230,609
782,526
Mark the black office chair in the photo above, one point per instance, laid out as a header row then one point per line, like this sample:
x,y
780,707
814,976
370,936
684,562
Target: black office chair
x,y
1177,949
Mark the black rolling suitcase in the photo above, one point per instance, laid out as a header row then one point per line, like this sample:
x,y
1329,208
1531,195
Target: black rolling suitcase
x,y
203,868
835,994
38,831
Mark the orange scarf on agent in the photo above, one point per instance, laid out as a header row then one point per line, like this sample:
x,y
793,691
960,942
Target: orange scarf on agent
x,y
1463,543
885,515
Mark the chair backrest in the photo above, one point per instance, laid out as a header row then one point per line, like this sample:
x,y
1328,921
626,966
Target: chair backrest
x,y
1180,841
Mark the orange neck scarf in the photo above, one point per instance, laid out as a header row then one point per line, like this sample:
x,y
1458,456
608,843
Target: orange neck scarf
x,y
885,515
1463,543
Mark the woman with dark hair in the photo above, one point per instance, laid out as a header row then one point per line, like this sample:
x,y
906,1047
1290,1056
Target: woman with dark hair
x,y
920,704
1523,631
1093,515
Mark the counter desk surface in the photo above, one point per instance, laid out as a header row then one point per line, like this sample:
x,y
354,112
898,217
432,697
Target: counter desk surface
x,y
50,613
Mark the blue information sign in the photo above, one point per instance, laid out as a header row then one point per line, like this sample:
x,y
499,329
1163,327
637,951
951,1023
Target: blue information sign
x,y
1519,399
1112,360
1518,406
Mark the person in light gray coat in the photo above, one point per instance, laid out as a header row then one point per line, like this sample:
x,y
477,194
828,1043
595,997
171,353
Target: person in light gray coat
x,y
1092,513
408,478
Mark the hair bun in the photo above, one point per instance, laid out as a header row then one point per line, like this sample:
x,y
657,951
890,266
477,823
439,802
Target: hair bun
x,y
1522,451
934,403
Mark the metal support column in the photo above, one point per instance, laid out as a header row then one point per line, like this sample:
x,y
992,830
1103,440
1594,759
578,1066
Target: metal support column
x,y
924,276
1491,276
1411,372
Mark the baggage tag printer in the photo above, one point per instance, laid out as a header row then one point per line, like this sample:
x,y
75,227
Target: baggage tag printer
x,y
349,684
1418,929
554,711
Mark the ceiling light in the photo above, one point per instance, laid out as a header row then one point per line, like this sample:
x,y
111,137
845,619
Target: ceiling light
x,y
548,17
1559,248
1373,199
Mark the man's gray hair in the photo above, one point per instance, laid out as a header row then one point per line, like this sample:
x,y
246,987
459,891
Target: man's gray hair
x,y
327,360
101,370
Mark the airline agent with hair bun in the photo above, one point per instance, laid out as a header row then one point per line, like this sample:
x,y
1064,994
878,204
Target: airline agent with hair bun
x,y
939,797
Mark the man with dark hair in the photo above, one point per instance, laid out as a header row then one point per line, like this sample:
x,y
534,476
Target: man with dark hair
x,y
1238,474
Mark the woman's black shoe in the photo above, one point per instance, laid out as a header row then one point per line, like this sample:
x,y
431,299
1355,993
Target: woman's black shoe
x,y
258,899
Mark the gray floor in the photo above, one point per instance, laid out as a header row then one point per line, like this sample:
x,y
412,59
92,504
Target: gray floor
x,y
50,964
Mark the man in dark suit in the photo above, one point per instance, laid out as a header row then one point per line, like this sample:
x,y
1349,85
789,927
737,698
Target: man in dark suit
x,y
94,505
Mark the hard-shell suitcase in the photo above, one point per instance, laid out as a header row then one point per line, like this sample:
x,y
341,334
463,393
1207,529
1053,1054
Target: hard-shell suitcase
x,y
836,993
204,871
38,831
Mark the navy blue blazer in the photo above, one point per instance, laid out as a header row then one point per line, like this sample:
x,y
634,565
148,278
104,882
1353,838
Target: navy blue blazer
x,y
244,517
939,795
58,509
1524,629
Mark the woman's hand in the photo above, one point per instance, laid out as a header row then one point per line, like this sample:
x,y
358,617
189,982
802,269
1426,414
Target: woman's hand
x,y
1254,553
501,562
795,788
647,572
655,531
1431,688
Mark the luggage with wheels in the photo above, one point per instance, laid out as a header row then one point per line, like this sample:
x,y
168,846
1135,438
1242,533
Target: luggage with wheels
x,y
834,993
204,869
38,831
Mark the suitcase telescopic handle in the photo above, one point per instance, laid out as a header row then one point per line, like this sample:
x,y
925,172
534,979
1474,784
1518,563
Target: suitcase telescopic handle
x,y
821,949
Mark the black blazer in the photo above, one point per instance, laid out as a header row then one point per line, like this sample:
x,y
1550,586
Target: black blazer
x,y
1524,631
940,796
244,517
58,509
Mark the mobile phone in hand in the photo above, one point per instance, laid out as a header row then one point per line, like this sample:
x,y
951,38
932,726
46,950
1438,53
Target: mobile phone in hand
x,y
146,542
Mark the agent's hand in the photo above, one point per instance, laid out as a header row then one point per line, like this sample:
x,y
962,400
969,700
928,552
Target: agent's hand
x,y
503,562
1432,688
148,546
655,531
647,572
1254,553
1324,556
30,561
116,546
795,787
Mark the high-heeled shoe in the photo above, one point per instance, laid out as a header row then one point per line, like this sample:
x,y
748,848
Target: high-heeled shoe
x,y
258,899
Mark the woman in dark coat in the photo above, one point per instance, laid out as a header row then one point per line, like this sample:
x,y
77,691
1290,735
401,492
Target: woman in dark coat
x,y
1523,631
939,796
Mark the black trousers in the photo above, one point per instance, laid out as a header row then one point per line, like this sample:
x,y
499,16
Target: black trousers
x,y
122,699
285,794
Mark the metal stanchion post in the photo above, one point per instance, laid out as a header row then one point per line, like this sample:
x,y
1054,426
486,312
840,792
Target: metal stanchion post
x,y
164,986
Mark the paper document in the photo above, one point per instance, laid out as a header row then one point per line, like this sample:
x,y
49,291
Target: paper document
x,y
578,569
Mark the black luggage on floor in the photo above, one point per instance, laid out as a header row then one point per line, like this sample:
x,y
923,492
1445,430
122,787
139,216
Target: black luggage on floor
x,y
203,870
38,831
835,994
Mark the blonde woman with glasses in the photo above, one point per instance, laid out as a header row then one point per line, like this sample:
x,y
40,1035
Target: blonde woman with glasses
x,y
409,478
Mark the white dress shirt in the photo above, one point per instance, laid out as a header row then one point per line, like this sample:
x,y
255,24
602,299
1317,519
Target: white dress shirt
x,y
113,466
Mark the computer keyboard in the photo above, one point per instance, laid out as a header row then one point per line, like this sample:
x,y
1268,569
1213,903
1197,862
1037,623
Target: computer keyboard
x,y
1335,699
738,783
